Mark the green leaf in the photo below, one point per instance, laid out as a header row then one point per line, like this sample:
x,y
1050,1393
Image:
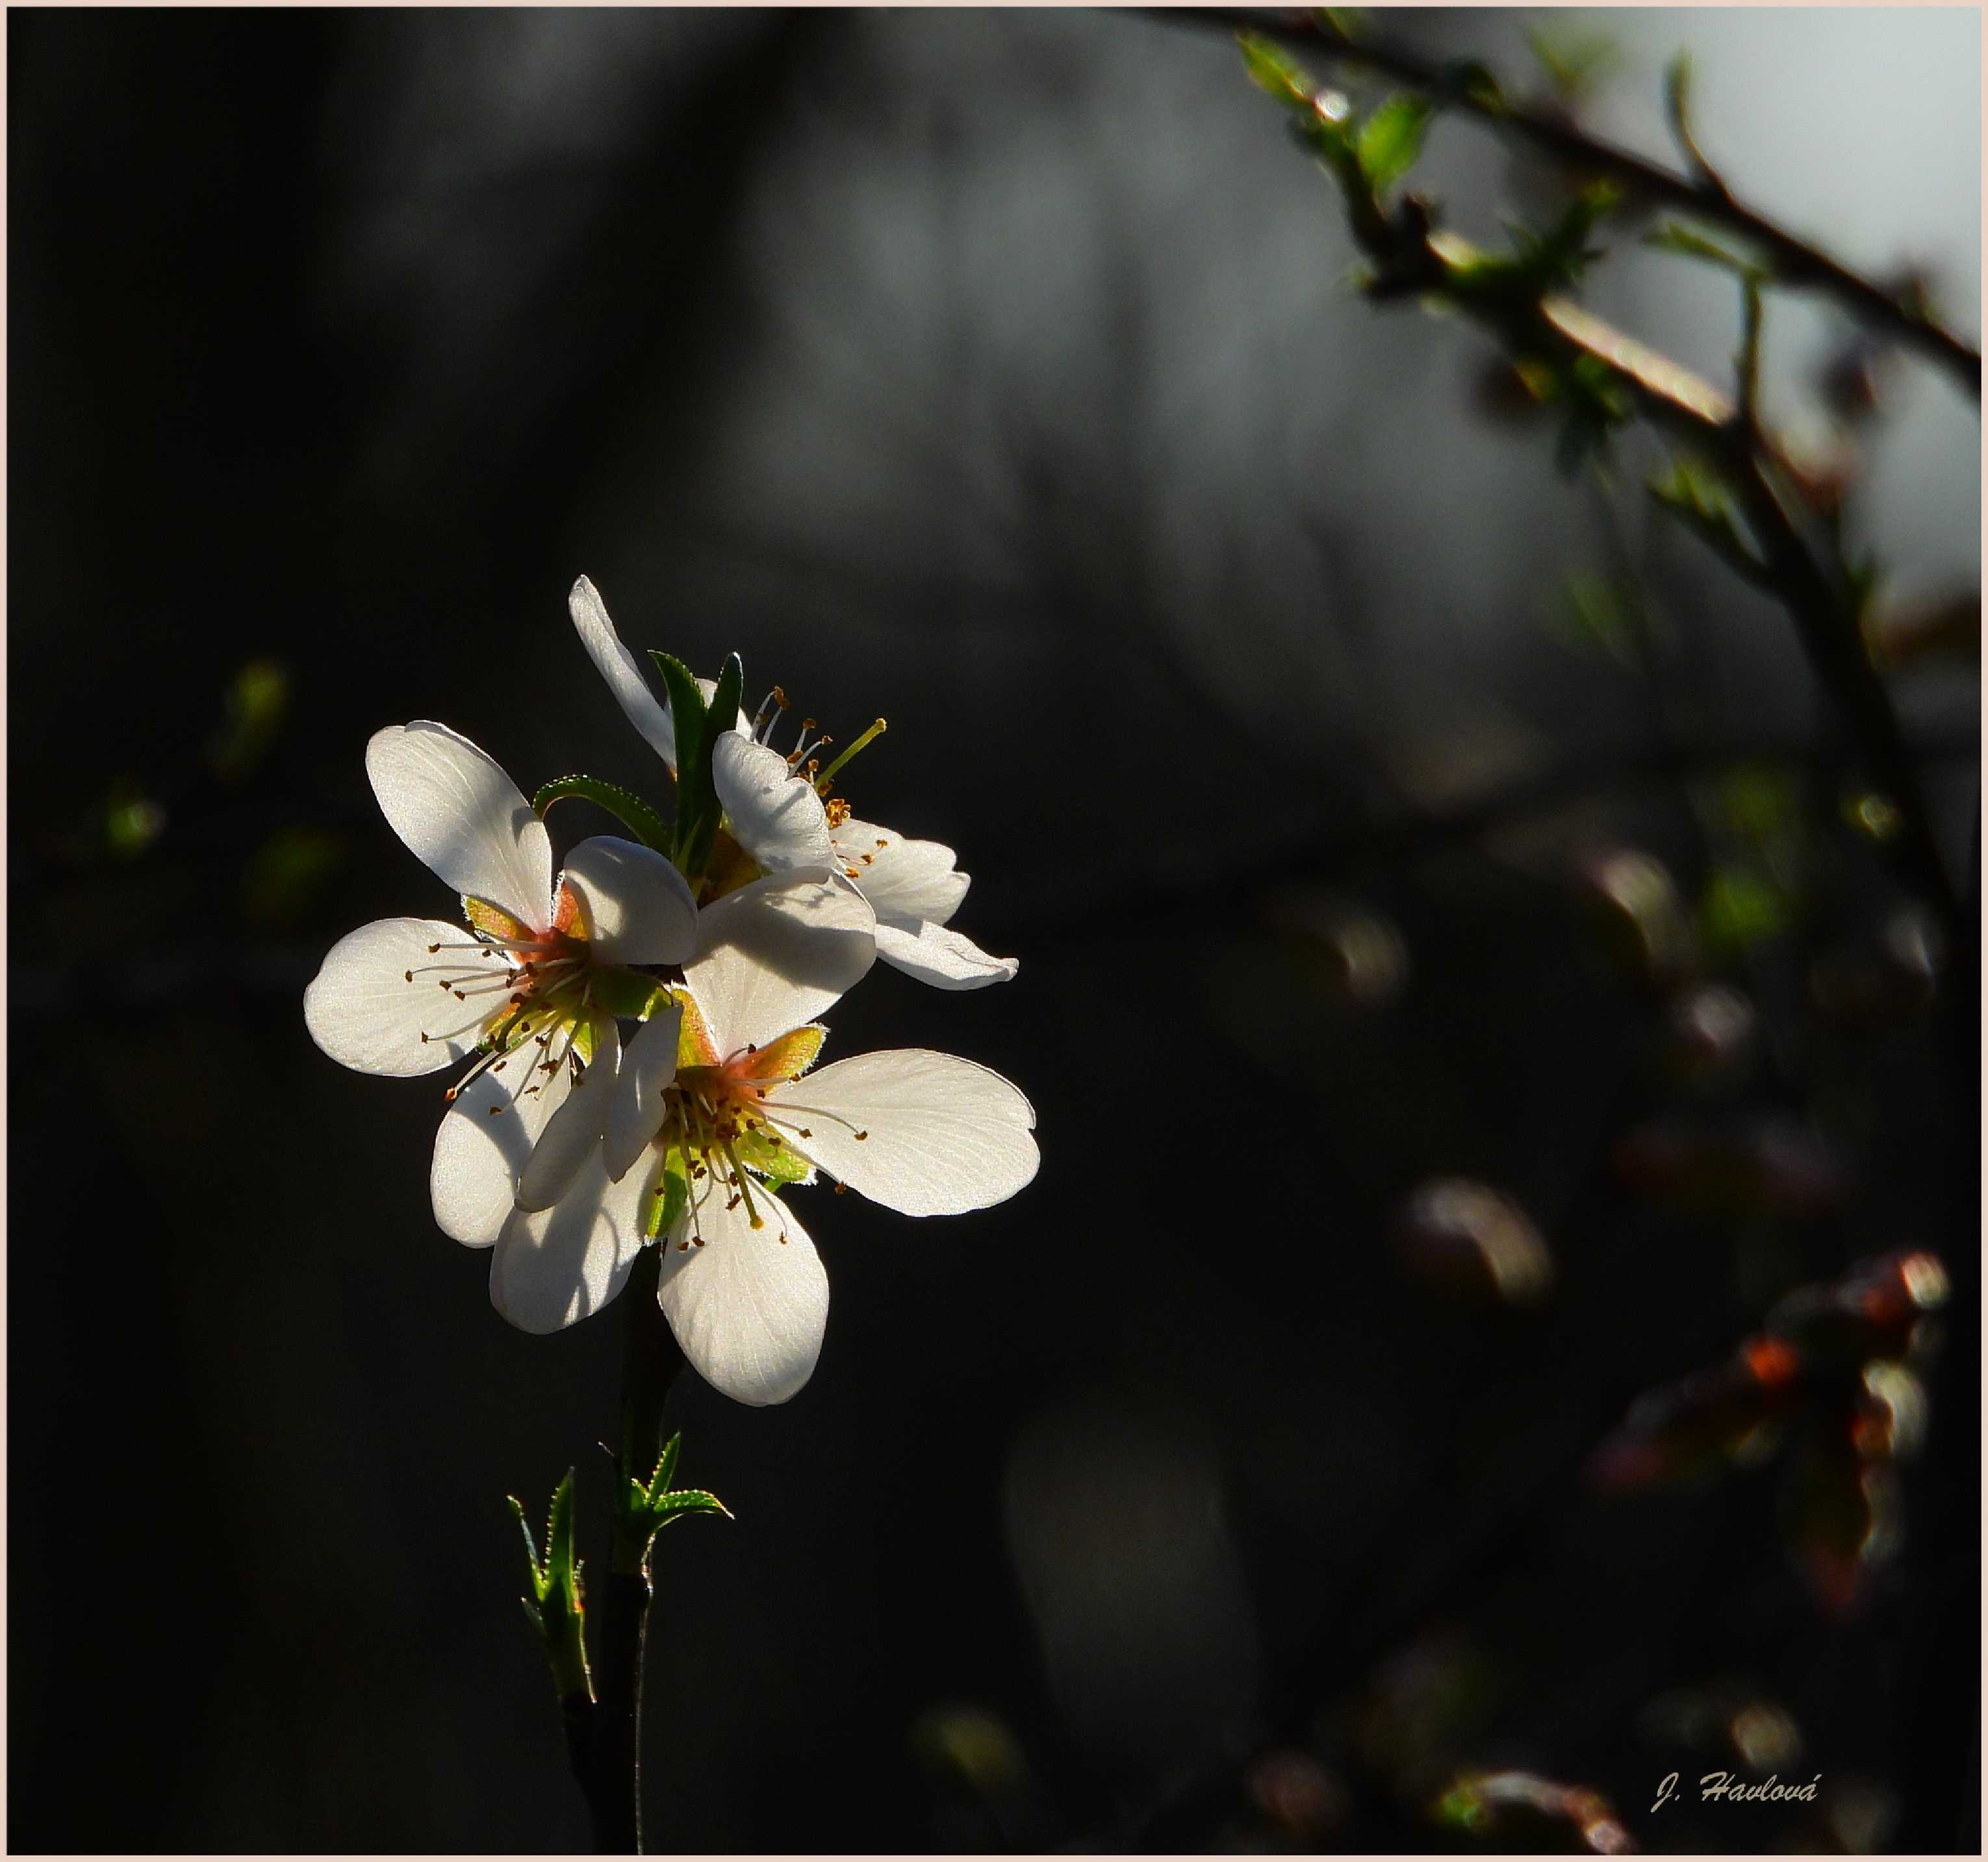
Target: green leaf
x,y
1740,909
1477,83
560,1570
555,1609
1392,138
1702,499
626,807
686,710
695,786
664,1507
531,1546
666,1466
1677,95
1602,613
1271,71
1674,236
1573,60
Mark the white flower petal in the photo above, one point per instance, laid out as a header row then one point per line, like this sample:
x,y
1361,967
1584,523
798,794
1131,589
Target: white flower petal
x,y
636,907
774,954
621,669
553,1266
907,882
463,816
482,1148
648,1065
363,1011
945,1135
748,1308
776,815
938,955
573,1132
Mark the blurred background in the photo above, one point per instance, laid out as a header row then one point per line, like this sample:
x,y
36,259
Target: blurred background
x,y
1464,985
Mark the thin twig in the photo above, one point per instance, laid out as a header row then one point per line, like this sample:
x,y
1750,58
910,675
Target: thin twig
x,y
1413,258
650,1361
1798,264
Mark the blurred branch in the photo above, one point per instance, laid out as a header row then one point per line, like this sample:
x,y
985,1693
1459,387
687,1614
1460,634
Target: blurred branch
x,y
1469,89
1729,480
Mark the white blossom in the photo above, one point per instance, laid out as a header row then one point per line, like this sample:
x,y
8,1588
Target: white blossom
x,y
716,1116
516,990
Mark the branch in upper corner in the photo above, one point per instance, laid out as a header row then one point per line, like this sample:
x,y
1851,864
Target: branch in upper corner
x,y
1470,89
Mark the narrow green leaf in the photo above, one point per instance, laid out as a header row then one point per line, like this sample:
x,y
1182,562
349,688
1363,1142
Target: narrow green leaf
x,y
663,1507
531,1543
666,1466
1674,236
695,802
686,708
1391,139
560,1571
1271,72
626,807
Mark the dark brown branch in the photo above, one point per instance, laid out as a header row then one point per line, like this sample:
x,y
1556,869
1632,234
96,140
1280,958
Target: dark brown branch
x,y
1796,264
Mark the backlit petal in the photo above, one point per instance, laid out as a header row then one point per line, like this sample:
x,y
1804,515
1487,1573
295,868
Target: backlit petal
x,y
635,906
749,1308
944,1135
463,816
938,955
573,1132
907,882
363,1011
553,1266
648,1065
776,815
481,1150
621,669
775,954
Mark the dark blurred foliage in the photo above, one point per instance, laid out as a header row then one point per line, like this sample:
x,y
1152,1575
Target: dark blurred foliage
x,y
1463,986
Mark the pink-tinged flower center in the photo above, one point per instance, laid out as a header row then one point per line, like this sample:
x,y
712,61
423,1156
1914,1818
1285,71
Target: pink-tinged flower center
x,y
719,1119
515,988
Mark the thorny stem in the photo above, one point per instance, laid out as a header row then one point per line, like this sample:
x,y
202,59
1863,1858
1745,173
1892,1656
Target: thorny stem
x,y
1796,264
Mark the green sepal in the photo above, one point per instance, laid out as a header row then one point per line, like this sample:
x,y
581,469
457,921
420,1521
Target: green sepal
x,y
668,1205
628,993
779,1163
624,805
1391,140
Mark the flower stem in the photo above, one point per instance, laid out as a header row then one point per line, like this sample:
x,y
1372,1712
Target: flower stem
x,y
651,1361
